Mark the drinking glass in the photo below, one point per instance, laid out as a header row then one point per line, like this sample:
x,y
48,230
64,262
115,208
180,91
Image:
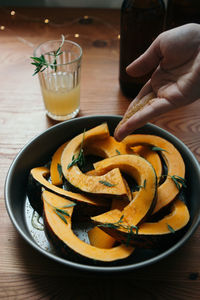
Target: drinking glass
x,y
60,81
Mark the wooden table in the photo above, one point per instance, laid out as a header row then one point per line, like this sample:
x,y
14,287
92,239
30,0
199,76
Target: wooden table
x,y
24,273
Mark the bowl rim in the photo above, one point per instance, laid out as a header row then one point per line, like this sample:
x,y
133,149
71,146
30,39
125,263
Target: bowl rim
x,y
82,266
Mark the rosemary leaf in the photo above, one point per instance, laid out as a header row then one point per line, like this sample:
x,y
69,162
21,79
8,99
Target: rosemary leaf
x,y
80,160
62,212
69,205
106,183
72,163
59,170
121,219
117,151
170,228
138,187
154,148
60,215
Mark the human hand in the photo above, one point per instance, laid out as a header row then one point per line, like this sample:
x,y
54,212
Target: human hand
x,y
175,58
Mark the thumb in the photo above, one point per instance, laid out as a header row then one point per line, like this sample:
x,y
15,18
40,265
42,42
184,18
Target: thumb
x,y
147,62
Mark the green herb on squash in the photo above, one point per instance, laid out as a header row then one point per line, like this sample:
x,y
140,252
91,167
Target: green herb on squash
x,y
80,160
60,215
170,228
154,148
117,151
59,170
106,183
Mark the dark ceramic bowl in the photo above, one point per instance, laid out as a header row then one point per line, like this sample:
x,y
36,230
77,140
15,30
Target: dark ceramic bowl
x,y
38,151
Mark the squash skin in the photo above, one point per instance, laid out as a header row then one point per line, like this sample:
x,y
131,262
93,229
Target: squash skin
x,y
142,171
67,243
167,191
37,181
150,235
56,179
84,182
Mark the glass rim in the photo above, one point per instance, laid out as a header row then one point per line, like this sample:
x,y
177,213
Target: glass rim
x,y
65,41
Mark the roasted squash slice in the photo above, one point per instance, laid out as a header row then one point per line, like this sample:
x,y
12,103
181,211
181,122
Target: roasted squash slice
x,y
59,231
107,147
37,181
149,234
100,239
97,236
55,173
84,182
167,191
142,171
151,156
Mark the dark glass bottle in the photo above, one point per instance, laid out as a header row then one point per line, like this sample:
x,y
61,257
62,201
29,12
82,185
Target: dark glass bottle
x,y
141,23
180,12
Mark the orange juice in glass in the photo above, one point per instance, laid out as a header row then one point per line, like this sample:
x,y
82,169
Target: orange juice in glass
x,y
60,81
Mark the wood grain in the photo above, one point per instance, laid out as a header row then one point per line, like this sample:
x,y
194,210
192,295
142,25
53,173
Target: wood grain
x,y
24,273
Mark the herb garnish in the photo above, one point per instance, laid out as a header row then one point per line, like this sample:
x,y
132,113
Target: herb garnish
x,y
138,187
112,225
106,183
62,211
118,152
61,216
119,224
154,148
59,170
80,160
69,205
41,64
178,180
170,228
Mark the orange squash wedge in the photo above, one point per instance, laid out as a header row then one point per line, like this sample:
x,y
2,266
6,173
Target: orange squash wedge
x,y
37,181
100,239
61,234
107,147
142,171
149,233
84,182
167,191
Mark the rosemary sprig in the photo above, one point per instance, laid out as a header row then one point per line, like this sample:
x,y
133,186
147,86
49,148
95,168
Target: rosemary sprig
x,y
112,225
80,159
119,224
178,181
106,183
41,64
